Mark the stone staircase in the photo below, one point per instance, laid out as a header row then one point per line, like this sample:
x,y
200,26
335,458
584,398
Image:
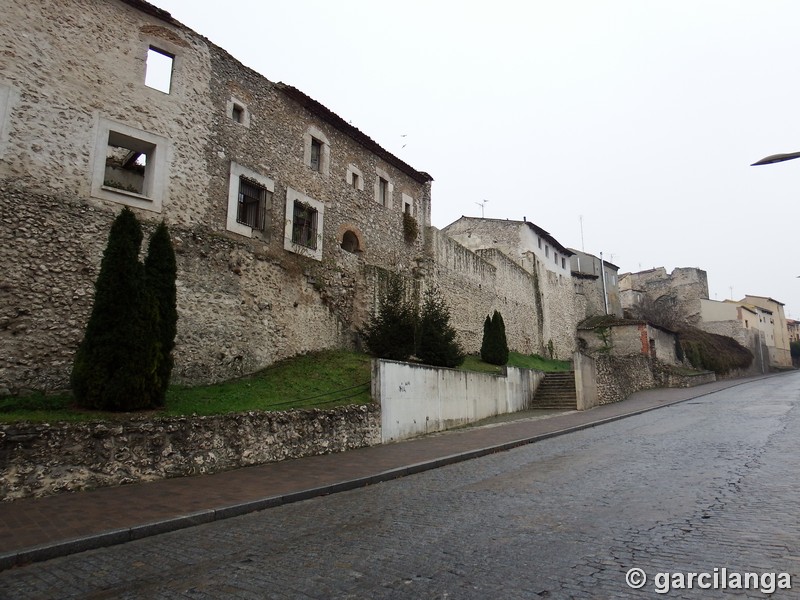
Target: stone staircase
x,y
557,391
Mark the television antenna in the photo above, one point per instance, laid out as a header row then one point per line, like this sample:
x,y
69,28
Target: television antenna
x,y
482,204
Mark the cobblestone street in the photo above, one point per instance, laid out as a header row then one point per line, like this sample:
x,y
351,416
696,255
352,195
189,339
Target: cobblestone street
x,y
709,483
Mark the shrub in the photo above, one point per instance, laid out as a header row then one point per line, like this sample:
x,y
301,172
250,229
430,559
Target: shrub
x,y
713,352
116,364
437,340
494,348
160,272
390,333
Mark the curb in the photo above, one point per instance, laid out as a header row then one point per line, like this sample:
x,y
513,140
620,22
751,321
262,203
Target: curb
x,y
121,536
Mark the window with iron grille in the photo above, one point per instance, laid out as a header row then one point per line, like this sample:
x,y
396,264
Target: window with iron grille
x,y
252,204
304,225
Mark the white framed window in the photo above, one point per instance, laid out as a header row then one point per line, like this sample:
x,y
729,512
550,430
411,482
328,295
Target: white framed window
x,y
384,189
354,177
249,202
237,112
129,166
316,150
304,224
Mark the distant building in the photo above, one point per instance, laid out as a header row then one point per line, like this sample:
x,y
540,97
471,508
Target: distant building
x,y
598,285
780,355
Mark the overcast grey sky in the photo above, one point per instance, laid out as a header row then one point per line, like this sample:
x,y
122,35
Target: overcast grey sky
x,y
641,116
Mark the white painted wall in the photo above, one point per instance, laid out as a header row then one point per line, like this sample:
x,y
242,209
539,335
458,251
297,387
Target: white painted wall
x,y
419,399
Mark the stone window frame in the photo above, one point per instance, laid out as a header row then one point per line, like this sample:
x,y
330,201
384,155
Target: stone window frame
x,y
292,196
7,96
388,201
159,44
155,147
354,172
237,172
408,204
312,134
230,109
349,228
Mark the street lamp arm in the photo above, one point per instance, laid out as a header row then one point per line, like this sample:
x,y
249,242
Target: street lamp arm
x,y
775,158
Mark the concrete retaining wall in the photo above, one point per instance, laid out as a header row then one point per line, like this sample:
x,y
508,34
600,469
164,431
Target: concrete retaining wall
x,y
419,399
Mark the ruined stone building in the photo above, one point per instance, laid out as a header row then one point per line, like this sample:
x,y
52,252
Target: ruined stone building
x,y
280,211
746,323
285,218
678,292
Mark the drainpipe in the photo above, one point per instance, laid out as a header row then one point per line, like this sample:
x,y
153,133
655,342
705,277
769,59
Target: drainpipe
x,y
603,275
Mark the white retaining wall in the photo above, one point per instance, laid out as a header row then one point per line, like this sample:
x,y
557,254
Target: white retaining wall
x,y
419,399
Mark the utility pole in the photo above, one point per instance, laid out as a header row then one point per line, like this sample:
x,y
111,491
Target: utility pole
x,y
603,275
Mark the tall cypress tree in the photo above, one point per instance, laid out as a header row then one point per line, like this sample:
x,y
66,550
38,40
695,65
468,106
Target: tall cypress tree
x,y
160,271
494,348
116,364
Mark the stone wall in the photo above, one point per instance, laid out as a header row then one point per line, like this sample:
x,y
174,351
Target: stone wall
x,y
244,300
749,338
685,287
40,459
618,377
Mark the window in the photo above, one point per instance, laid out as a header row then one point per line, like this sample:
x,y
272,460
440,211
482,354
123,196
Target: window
x,y
249,202
354,177
383,191
252,205
350,242
383,188
538,239
304,224
408,205
316,152
237,112
129,166
555,258
158,70
547,251
563,263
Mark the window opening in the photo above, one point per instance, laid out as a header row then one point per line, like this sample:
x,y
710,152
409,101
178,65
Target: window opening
x,y
304,225
126,163
158,70
350,242
316,153
383,191
251,209
355,180
237,114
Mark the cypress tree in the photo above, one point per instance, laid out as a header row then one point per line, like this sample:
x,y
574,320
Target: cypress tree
x,y
160,271
438,344
390,333
494,348
115,366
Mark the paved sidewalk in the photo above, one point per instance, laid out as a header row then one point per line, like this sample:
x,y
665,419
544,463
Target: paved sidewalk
x,y
42,528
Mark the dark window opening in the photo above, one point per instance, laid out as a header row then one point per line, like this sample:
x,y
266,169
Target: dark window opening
x,y
158,70
237,113
350,242
316,153
252,207
383,191
355,180
304,225
407,209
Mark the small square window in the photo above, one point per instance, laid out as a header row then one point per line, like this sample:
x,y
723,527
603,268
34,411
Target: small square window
x,y
158,70
126,164
316,154
251,209
304,225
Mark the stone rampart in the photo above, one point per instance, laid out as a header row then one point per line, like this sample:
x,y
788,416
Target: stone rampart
x,y
40,459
